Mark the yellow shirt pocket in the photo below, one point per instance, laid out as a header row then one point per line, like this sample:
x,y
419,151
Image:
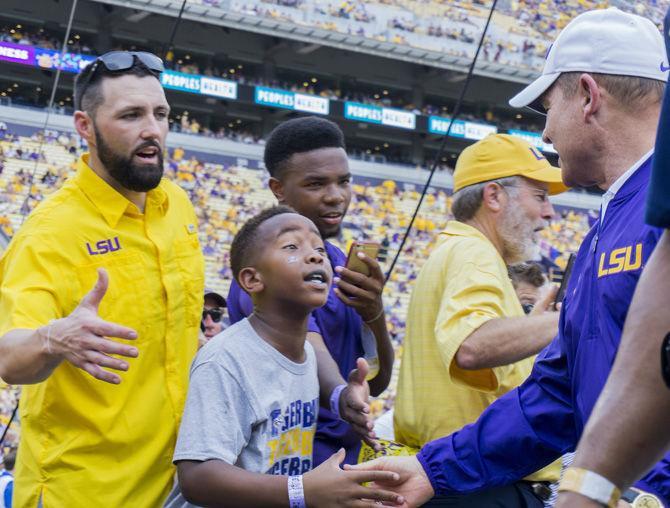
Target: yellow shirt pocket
x,y
126,297
191,267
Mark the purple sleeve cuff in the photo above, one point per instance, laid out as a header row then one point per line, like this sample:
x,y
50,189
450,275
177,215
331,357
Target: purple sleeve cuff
x,y
335,400
312,326
433,473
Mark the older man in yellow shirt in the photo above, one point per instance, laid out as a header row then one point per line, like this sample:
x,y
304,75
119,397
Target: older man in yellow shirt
x,y
468,341
100,298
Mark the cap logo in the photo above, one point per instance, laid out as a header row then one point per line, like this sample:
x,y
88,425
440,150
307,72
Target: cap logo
x,y
665,68
536,153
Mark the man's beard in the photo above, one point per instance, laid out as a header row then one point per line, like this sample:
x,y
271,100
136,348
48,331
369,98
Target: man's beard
x,y
131,176
517,233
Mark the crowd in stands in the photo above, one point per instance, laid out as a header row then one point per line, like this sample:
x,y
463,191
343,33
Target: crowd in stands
x,y
33,36
548,19
187,123
518,35
244,74
226,196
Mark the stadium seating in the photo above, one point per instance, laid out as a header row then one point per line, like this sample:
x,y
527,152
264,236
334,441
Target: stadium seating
x,y
519,35
225,196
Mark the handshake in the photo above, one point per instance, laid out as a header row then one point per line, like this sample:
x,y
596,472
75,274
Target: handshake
x,y
410,482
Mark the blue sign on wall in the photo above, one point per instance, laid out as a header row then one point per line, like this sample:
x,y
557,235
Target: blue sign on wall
x,y
461,128
534,139
384,116
203,85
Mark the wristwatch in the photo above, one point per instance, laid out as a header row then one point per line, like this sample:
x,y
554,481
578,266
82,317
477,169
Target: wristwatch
x,y
639,499
590,485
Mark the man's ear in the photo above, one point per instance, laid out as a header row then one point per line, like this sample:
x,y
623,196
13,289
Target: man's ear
x,y
277,188
251,280
83,123
591,97
493,197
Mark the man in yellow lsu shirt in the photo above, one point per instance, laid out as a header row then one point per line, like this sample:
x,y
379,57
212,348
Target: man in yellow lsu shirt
x,y
467,340
100,298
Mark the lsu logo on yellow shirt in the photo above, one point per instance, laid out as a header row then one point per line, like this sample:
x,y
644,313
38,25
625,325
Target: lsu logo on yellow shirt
x,y
624,259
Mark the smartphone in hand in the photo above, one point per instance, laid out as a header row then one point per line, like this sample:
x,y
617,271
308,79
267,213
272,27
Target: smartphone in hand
x,y
564,281
370,249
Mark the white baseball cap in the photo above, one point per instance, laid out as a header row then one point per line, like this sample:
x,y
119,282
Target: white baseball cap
x,y
605,41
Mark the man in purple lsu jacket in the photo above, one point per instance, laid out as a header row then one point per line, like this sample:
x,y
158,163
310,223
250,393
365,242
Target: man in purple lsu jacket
x,y
601,89
635,402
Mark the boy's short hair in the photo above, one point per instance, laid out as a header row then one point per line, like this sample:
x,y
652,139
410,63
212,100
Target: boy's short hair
x,y
530,273
244,243
299,135
9,459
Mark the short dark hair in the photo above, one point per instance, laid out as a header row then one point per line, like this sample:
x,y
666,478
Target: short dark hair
x,y
244,243
87,85
527,272
10,459
299,135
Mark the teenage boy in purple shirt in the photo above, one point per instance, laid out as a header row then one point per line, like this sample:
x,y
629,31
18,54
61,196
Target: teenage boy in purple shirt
x,y
309,172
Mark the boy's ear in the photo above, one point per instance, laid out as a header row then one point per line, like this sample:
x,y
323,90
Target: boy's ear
x,y
277,188
251,280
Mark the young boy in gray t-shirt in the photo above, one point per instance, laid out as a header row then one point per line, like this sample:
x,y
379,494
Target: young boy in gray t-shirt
x,y
253,397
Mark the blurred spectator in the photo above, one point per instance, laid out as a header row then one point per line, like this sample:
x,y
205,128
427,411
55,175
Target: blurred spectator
x,y
528,281
214,319
6,477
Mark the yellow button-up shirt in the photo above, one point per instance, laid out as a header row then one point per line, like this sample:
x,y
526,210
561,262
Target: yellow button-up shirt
x,y
463,284
84,442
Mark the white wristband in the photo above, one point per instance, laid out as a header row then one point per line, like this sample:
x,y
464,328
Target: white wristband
x,y
296,493
591,485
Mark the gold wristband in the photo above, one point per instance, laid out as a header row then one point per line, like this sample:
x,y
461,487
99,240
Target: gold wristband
x,y
590,485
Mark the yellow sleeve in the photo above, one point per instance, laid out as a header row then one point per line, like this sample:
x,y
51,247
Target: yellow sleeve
x,y
473,295
34,284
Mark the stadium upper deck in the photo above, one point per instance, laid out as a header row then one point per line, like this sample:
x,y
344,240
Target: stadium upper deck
x,y
432,32
390,109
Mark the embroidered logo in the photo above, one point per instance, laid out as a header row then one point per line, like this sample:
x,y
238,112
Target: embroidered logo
x,y
104,246
620,260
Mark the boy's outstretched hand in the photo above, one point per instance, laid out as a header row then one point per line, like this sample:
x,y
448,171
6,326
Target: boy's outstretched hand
x,y
354,406
413,484
329,486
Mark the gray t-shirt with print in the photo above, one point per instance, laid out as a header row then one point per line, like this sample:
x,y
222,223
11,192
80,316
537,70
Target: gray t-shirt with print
x,y
250,406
